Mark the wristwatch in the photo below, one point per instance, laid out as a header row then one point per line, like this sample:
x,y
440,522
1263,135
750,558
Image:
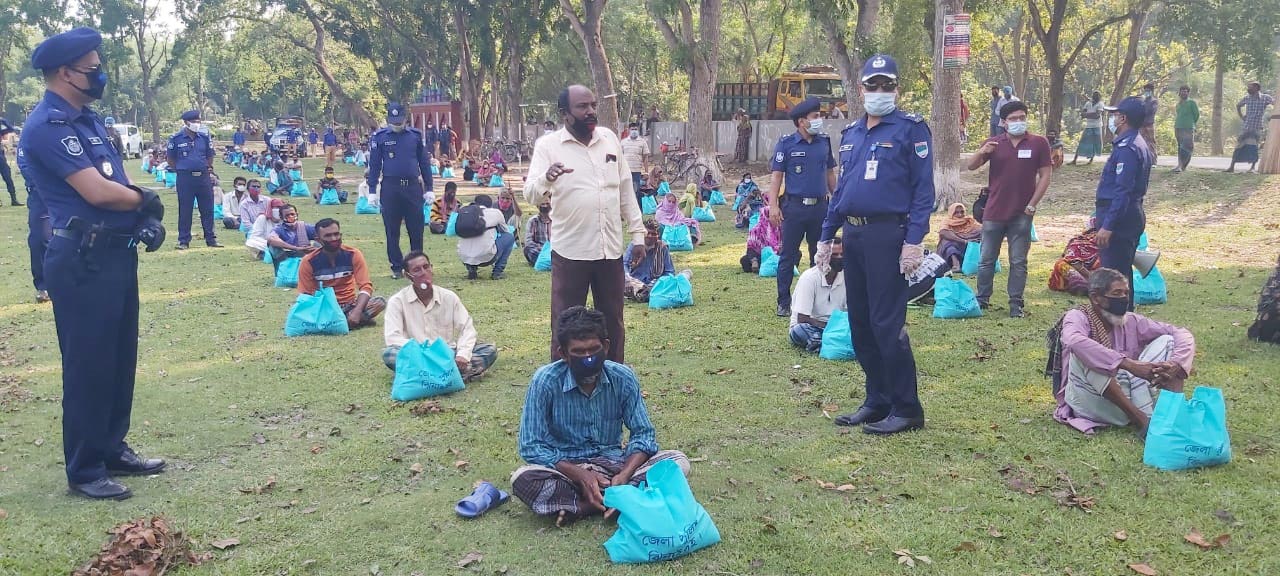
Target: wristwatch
x,y
1031,209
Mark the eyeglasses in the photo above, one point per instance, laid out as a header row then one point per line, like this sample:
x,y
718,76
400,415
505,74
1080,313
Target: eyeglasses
x,y
882,86
90,70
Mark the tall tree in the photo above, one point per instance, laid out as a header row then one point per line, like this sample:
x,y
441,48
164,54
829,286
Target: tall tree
x,y
848,51
17,17
946,112
588,26
1139,18
1059,58
698,45
316,46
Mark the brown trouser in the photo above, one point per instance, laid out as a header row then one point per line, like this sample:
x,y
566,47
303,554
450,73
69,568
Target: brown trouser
x,y
329,153
570,280
1149,134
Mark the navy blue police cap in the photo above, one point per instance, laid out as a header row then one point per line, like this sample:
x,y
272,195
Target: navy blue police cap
x,y
879,65
65,48
395,113
190,115
1135,112
804,108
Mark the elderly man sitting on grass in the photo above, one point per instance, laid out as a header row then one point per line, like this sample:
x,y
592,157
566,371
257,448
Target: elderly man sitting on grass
x,y
1114,361
571,428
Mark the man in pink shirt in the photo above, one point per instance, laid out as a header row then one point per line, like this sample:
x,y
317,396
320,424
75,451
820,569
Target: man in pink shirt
x,y
1115,361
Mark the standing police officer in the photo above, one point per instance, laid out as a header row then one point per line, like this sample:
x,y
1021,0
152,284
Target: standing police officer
x,y
38,229
398,153
91,266
5,129
1123,185
883,203
804,160
191,156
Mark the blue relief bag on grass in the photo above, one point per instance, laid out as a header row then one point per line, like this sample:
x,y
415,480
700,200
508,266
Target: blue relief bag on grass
x,y
704,214
543,263
1186,434
769,263
447,173
663,189
495,181
972,258
717,198
435,170
300,189
1150,289
677,238
217,212
659,520
672,291
425,370
649,206
451,229
954,299
287,273
170,179
315,314
328,197
363,206
837,340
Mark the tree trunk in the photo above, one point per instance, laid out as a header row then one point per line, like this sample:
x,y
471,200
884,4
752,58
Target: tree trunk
x,y
1215,127
1137,21
1057,64
588,28
848,58
515,93
701,48
470,90
946,113
358,114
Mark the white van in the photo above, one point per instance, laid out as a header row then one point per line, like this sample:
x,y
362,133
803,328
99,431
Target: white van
x,y
131,138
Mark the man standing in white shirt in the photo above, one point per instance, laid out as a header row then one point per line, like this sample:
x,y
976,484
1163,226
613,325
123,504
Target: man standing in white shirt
x,y
423,312
580,170
636,151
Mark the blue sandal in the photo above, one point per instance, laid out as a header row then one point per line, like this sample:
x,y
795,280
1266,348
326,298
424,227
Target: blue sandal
x,y
485,497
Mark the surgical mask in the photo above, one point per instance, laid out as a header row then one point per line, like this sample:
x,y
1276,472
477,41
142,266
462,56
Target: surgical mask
x,y
97,84
815,126
1117,306
586,366
879,103
1111,124
194,127
240,187
397,127
746,180
1018,128
635,134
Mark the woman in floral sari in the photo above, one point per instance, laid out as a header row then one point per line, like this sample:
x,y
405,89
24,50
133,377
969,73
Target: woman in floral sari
x,y
1079,260
764,234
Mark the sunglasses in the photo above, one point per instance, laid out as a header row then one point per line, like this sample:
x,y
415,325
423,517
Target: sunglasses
x,y
882,86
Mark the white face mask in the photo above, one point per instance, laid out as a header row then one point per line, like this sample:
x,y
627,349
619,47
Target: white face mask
x,y
194,127
879,103
1018,128
815,126
635,133
240,188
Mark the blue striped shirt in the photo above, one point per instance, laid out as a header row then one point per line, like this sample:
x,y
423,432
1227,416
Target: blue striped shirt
x,y
561,423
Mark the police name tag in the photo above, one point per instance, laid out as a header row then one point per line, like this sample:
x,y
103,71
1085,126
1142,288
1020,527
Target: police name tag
x,y
872,167
1024,153
797,154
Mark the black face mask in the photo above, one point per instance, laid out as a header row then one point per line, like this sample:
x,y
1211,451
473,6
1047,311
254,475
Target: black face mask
x,y
585,367
544,209
837,264
1117,306
97,84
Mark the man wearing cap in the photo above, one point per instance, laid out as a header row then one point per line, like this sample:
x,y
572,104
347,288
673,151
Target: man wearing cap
x,y
803,159
91,265
1118,204
191,156
882,202
330,146
398,156
6,129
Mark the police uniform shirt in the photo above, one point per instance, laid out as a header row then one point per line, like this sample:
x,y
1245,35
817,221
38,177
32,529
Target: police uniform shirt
x,y
330,139
35,204
190,153
1124,177
59,141
885,170
804,164
398,156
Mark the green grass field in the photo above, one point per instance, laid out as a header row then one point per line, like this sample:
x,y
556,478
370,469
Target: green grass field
x,y
231,403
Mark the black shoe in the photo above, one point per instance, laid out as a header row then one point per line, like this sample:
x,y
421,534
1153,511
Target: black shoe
x,y
215,244
395,274
17,203
1016,311
183,246
497,275
984,305
863,415
784,310
472,274
130,464
101,489
42,296
894,425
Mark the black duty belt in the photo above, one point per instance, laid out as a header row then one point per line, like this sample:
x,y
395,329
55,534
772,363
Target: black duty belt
x,y
878,219
104,239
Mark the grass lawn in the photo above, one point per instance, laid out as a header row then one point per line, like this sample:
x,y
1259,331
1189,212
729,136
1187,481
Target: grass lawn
x,y
231,404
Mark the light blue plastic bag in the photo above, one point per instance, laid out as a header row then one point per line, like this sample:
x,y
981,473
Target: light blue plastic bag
x,y
769,263
300,189
1149,290
663,189
717,199
451,229
837,340
1142,241
543,263
672,291
425,370
677,238
363,206
435,170
495,181
295,174
267,257
159,175
328,197
755,219
447,172
954,299
648,205
170,179
314,314
704,214
287,273
217,212
972,258
1034,237
1186,434
660,520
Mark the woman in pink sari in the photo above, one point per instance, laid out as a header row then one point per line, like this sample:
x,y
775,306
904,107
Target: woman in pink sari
x,y
764,234
669,214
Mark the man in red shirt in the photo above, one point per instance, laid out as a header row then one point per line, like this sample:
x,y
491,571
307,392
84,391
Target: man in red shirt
x,y
342,268
1021,163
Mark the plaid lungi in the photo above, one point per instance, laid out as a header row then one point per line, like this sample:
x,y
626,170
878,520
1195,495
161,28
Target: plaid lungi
x,y
548,492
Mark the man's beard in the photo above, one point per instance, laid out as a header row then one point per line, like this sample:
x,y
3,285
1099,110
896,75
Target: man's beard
x,y
1112,319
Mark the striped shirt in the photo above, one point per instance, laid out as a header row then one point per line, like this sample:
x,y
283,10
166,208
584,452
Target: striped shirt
x,y
559,422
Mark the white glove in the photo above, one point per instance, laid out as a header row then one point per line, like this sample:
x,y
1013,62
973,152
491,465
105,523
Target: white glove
x,y
911,258
823,258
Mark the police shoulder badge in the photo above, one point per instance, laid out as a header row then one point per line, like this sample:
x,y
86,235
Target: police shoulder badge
x,y
72,144
107,168
1119,168
922,149
779,157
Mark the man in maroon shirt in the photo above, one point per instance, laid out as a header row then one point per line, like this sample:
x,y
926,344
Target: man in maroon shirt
x,y
1021,163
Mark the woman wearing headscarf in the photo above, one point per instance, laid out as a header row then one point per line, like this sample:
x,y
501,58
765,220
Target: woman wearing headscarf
x,y
764,234
669,214
957,232
690,200
510,209
1079,260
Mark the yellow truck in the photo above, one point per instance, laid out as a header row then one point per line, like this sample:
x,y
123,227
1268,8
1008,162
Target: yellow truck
x,y
774,99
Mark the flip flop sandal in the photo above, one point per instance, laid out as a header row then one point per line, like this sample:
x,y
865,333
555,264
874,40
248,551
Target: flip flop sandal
x,y
485,497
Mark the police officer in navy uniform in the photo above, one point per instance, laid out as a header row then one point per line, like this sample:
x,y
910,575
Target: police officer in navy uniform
x,y
5,129
91,266
1118,203
882,203
398,156
38,229
804,160
191,156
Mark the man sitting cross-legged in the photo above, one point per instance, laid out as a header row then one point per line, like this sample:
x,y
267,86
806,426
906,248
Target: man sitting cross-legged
x,y
342,268
423,311
571,427
817,295
1114,361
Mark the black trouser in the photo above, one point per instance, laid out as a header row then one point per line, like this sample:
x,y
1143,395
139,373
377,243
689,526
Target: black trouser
x,y
401,202
194,189
38,234
1118,255
800,222
8,178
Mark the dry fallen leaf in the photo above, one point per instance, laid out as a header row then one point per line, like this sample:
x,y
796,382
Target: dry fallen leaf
x,y
1195,537
3,514
470,558
426,407
994,532
845,488
966,547
461,464
316,448
416,469
1121,535
141,548
1143,569
225,543
269,486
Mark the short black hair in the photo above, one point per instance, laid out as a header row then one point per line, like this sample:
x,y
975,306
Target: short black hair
x,y
288,207
254,181
237,180
563,102
1149,86
415,254
1184,87
450,186
580,323
484,200
1011,107
327,222
633,125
